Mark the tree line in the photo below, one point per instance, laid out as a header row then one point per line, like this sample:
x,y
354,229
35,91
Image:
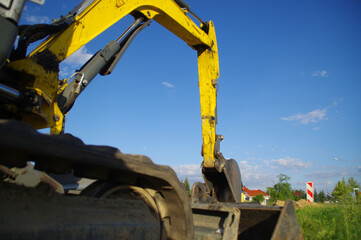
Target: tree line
x,y
343,191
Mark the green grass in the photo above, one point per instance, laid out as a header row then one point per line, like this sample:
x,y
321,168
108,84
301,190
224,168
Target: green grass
x,y
330,221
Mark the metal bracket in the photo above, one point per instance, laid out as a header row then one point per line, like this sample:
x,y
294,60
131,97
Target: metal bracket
x,y
219,164
80,81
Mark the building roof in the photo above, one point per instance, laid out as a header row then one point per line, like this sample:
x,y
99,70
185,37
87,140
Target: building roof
x,y
253,193
297,194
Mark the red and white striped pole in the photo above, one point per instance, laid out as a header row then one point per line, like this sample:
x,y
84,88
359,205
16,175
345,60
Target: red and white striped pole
x,y
309,188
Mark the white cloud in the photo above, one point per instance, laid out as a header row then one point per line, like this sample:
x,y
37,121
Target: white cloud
x,y
243,162
318,184
258,180
65,71
359,168
254,177
168,85
314,116
323,174
188,169
289,162
79,57
192,172
37,19
74,61
319,73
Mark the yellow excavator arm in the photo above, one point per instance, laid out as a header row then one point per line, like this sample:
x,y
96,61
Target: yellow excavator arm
x,y
49,99
93,17
101,14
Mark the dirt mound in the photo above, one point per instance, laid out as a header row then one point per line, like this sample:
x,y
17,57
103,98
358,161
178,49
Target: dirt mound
x,y
303,203
299,204
279,203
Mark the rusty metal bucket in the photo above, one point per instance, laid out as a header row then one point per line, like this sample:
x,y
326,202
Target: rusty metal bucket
x,y
224,182
220,220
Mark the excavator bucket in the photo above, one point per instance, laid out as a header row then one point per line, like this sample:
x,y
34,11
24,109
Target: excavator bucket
x,y
224,183
218,212
215,220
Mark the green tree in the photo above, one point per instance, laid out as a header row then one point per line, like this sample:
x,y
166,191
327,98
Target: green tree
x,y
315,196
358,196
298,194
322,196
273,194
258,198
351,185
281,190
187,186
341,192
329,197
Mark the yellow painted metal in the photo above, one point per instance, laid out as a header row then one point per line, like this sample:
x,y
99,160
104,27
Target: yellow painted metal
x,y
102,14
58,125
43,83
208,68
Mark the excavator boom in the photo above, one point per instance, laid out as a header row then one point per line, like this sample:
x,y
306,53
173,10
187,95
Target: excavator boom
x,y
86,26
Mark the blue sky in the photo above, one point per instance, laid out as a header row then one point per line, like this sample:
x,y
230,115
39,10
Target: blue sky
x,y
289,99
